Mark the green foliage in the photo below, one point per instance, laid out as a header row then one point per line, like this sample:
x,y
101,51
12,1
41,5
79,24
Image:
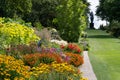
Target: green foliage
x,y
46,60
13,33
109,10
58,76
114,28
71,19
15,8
15,20
84,44
43,11
38,25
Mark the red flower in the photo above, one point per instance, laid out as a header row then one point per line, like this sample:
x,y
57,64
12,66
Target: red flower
x,y
62,46
78,50
70,46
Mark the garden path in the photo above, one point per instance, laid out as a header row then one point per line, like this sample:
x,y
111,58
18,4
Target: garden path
x,y
86,68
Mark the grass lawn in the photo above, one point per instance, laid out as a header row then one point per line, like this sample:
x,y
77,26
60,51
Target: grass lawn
x,y
104,55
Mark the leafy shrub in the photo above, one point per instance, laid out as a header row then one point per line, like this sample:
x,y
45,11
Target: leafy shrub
x,y
38,25
114,28
13,69
102,27
15,20
84,43
18,50
75,59
12,33
37,58
11,8
71,19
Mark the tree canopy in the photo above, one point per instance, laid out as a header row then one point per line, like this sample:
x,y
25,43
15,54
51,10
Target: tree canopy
x,y
109,10
13,8
71,16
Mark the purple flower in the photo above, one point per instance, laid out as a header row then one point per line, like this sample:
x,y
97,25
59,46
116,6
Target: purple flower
x,y
67,58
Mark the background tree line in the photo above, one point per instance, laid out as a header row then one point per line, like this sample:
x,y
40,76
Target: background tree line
x,y
69,17
110,10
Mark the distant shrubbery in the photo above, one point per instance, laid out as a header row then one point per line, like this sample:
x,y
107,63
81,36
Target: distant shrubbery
x,y
114,28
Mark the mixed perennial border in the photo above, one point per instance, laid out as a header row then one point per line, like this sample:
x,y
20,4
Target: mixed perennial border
x,y
22,57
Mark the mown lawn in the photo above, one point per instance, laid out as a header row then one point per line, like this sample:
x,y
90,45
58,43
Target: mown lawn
x,y
104,55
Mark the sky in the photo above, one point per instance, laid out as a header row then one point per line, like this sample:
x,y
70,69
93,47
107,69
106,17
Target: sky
x,y
93,7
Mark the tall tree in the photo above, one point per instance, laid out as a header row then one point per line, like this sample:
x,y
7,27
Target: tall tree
x,y
71,19
109,10
13,8
43,11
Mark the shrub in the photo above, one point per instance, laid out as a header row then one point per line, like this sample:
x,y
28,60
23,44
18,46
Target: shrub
x,y
18,50
71,19
15,20
115,28
13,33
37,58
75,59
38,25
84,43
12,69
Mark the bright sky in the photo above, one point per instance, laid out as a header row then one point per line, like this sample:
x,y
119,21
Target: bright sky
x,y
93,7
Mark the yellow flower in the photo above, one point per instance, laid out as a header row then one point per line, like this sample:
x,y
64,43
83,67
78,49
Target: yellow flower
x,y
12,64
6,79
84,79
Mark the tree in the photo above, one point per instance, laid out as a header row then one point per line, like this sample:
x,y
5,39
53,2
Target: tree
x,y
15,8
109,10
43,11
71,19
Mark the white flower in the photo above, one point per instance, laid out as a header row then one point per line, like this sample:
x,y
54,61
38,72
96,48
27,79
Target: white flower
x,y
60,42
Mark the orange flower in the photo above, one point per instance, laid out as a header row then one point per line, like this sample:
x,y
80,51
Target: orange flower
x,y
32,59
75,59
